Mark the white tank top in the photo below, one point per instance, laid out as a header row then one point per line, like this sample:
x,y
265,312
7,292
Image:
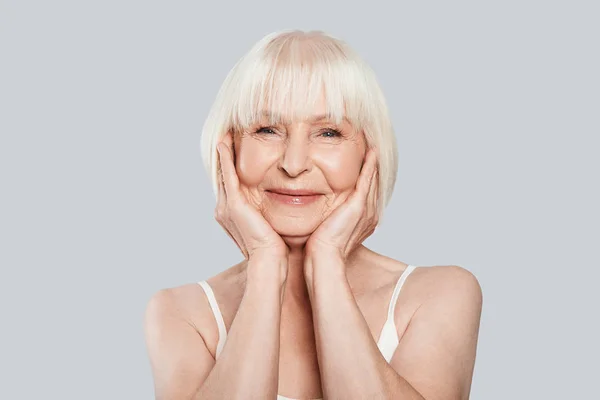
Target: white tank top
x,y
388,338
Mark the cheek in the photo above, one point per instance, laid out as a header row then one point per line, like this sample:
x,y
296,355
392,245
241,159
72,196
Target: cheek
x,y
253,160
341,168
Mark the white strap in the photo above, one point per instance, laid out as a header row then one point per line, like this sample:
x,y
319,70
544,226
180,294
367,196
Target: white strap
x,y
388,338
218,316
399,284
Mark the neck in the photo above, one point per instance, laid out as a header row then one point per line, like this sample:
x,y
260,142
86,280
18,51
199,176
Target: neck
x,y
296,292
295,284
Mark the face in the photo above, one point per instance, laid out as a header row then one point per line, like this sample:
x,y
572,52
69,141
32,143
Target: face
x,y
296,173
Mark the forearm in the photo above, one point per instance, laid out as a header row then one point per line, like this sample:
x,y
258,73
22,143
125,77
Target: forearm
x,y
351,364
248,365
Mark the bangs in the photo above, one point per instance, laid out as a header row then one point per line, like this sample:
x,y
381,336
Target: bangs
x,y
286,80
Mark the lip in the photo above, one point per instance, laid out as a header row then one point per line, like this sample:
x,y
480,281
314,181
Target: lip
x,y
293,197
294,192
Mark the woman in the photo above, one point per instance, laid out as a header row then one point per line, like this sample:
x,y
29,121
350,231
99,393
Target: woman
x,y
303,160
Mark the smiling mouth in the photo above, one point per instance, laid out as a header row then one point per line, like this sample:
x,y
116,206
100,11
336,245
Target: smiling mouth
x,y
296,198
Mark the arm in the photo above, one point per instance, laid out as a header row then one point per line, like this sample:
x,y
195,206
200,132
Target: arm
x,y
437,352
352,367
247,367
434,359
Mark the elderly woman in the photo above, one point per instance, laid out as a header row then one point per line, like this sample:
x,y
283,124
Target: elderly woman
x,y
302,156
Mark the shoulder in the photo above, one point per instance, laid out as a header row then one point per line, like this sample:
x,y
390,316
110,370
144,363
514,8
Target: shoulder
x,y
440,341
189,303
450,281
183,303
451,299
378,271
381,272
445,286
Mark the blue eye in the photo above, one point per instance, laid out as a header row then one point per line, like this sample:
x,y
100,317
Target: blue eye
x,y
265,129
328,133
331,133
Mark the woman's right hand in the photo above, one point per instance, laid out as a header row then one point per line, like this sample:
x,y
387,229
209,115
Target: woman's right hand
x,y
242,221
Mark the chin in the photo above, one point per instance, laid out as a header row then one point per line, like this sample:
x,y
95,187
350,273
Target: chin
x,y
294,231
295,241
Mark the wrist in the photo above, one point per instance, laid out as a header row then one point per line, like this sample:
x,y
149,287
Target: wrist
x,y
321,250
264,268
269,253
325,263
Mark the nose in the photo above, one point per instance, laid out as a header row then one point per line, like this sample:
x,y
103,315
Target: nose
x,y
295,159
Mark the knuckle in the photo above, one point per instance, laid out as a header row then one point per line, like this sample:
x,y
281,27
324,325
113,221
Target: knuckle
x,y
221,214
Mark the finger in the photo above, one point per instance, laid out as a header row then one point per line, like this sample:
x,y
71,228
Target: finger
x,y
222,197
375,202
366,174
373,195
376,192
368,217
230,178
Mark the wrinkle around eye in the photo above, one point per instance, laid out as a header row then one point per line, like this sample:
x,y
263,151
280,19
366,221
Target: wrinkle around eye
x,y
272,135
264,130
330,133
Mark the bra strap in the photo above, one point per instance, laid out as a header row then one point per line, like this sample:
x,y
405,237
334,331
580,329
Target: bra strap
x,y
218,316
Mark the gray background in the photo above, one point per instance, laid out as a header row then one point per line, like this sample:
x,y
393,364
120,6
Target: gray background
x,y
104,199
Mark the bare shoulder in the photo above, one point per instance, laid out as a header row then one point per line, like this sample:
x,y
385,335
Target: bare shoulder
x,y
189,303
186,302
443,281
379,271
436,353
443,284
426,281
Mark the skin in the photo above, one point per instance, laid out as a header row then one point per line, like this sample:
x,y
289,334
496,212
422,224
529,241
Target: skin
x,y
325,348
303,154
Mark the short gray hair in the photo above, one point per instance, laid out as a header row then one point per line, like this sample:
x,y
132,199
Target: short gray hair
x,y
291,69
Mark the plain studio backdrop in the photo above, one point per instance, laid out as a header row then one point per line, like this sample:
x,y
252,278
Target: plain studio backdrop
x,y
104,199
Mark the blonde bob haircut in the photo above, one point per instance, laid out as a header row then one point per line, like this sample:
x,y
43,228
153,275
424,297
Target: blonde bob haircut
x,y
284,74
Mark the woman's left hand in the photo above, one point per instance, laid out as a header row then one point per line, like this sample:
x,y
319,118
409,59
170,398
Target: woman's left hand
x,y
351,222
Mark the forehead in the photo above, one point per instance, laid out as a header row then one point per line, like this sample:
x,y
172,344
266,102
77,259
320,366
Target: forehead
x,y
319,112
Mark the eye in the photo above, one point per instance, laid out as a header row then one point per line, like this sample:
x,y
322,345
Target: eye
x,y
331,133
266,130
